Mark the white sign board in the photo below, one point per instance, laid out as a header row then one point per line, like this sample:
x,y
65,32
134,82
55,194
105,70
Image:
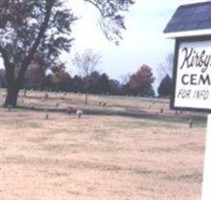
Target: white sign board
x,y
192,75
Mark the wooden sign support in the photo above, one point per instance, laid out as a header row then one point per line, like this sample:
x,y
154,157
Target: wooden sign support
x,y
206,185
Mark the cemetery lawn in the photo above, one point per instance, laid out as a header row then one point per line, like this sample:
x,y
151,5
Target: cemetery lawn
x,y
99,157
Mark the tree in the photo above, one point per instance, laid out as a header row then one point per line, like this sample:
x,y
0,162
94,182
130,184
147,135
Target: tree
x,y
103,84
166,68
28,27
58,79
126,84
32,27
165,86
111,16
115,88
77,84
140,83
3,12
35,75
93,82
2,78
86,63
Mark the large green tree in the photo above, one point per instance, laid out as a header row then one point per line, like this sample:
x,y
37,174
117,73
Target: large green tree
x,y
43,27
32,27
165,88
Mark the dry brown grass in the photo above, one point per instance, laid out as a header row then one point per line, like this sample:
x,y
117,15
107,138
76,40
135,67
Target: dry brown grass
x,y
98,157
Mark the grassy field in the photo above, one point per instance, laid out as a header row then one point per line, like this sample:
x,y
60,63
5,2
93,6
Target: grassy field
x,y
121,149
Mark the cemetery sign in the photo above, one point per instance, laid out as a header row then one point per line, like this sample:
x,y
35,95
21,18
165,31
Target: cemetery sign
x,y
192,74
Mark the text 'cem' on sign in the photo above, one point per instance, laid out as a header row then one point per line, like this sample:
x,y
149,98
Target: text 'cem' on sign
x,y
192,75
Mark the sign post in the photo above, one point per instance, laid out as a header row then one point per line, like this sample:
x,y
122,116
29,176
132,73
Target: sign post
x,y
206,191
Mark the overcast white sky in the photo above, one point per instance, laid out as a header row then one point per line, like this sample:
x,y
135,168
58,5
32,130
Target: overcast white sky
x,y
143,43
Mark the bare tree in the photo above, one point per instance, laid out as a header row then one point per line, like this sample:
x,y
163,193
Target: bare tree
x,y
86,63
166,68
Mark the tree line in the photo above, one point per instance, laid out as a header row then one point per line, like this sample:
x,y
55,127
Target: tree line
x,y
58,79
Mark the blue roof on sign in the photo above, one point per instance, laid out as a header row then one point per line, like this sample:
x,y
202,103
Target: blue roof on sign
x,y
191,17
